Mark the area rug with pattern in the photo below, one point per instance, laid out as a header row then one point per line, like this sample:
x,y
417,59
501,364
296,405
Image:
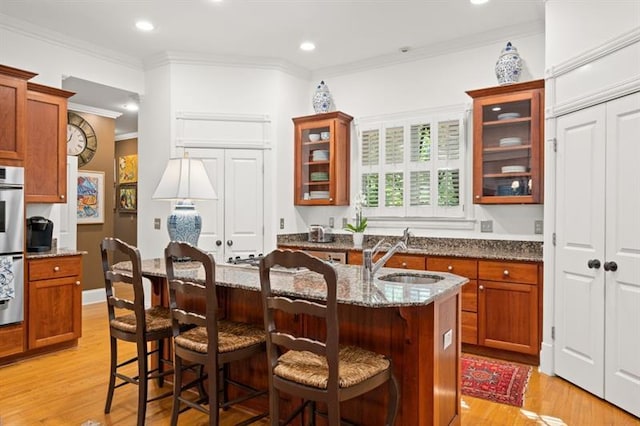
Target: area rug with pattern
x,y
497,381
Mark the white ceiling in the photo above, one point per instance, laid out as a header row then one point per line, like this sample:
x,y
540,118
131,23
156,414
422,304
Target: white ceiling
x,y
346,32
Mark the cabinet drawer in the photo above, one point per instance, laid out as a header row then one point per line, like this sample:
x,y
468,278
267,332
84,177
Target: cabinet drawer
x,y
470,328
55,267
11,340
406,262
464,267
517,272
470,296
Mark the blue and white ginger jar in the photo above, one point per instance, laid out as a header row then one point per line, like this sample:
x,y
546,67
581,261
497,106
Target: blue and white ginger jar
x,y
509,65
322,101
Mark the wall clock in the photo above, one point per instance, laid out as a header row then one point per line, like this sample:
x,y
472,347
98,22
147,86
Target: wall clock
x,y
81,139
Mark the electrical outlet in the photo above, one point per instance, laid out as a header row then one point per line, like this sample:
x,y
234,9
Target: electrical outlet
x,y
156,223
331,222
344,222
282,223
486,226
538,227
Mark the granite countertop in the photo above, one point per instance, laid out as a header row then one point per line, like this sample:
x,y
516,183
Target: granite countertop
x,y
352,290
526,251
55,253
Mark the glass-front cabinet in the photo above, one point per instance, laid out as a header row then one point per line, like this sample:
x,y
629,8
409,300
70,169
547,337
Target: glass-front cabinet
x,y
321,169
508,146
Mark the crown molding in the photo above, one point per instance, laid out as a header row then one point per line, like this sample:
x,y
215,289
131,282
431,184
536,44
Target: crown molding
x,y
191,58
52,37
126,136
91,110
436,49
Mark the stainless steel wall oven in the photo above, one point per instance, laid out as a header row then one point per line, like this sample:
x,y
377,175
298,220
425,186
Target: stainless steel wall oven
x,y
11,244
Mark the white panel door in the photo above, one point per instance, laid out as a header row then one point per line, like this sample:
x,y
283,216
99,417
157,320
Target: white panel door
x,y
233,224
579,289
622,355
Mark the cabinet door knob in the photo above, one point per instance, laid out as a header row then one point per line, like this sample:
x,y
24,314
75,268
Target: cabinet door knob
x,y
56,268
480,287
218,243
505,272
77,282
62,196
477,197
450,267
593,264
610,266
404,264
229,243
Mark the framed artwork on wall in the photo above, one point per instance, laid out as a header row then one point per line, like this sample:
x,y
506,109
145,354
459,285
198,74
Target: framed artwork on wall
x,y
127,198
90,207
128,169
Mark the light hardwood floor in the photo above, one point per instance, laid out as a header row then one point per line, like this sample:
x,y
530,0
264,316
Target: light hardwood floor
x,y
68,388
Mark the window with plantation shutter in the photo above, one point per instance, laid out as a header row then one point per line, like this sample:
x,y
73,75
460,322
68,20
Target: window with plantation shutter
x,y
413,166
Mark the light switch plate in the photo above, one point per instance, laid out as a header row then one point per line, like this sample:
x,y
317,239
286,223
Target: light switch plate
x,y
156,223
538,227
344,222
331,222
486,226
447,339
282,223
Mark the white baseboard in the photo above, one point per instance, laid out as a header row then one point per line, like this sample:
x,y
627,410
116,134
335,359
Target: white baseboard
x,y
546,359
90,297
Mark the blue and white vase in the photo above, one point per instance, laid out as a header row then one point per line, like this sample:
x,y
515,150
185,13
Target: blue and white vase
x,y
322,101
509,65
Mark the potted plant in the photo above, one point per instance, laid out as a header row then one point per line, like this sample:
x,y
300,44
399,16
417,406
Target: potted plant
x,y
358,227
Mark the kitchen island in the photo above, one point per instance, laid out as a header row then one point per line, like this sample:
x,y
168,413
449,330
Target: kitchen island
x,y
416,325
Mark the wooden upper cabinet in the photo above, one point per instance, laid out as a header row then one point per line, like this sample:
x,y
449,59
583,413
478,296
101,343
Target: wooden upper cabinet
x,y
13,114
508,143
322,166
46,150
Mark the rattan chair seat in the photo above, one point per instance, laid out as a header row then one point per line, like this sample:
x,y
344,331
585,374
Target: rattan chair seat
x,y
157,318
231,336
355,365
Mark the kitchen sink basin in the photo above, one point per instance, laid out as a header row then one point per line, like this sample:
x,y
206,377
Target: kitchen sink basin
x,y
411,278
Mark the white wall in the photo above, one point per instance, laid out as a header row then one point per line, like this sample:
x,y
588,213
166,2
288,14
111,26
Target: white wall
x,y
575,27
430,83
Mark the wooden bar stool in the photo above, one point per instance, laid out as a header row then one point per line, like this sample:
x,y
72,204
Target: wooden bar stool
x,y
139,326
315,370
203,339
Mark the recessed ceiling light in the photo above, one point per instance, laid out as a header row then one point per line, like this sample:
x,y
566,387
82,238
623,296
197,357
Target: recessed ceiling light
x,y
144,26
307,46
479,1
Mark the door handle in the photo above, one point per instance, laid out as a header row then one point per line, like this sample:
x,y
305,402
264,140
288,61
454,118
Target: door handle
x,y
229,243
594,264
610,266
218,243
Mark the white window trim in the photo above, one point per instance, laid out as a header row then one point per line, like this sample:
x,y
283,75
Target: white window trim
x,y
390,217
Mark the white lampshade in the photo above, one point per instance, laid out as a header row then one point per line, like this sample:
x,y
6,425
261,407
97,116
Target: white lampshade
x,y
185,179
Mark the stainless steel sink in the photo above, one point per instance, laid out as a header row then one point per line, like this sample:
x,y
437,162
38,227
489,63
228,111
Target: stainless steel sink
x,y
411,278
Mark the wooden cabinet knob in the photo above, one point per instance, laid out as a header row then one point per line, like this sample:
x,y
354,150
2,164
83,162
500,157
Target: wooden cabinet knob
x,y
506,272
450,267
477,197
77,282
404,264
480,287
62,196
56,268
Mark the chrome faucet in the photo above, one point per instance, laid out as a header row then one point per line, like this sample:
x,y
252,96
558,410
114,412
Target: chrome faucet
x,y
369,268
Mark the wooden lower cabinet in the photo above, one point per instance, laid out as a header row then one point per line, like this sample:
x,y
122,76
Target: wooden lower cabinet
x,y
11,340
467,268
508,306
55,300
404,261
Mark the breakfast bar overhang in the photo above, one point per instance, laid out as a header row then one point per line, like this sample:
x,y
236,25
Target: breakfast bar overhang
x,y
416,325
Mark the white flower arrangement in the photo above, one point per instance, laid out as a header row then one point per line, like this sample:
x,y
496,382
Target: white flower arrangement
x,y
361,222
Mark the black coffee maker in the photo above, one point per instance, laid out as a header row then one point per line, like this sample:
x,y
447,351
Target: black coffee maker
x,y
39,233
